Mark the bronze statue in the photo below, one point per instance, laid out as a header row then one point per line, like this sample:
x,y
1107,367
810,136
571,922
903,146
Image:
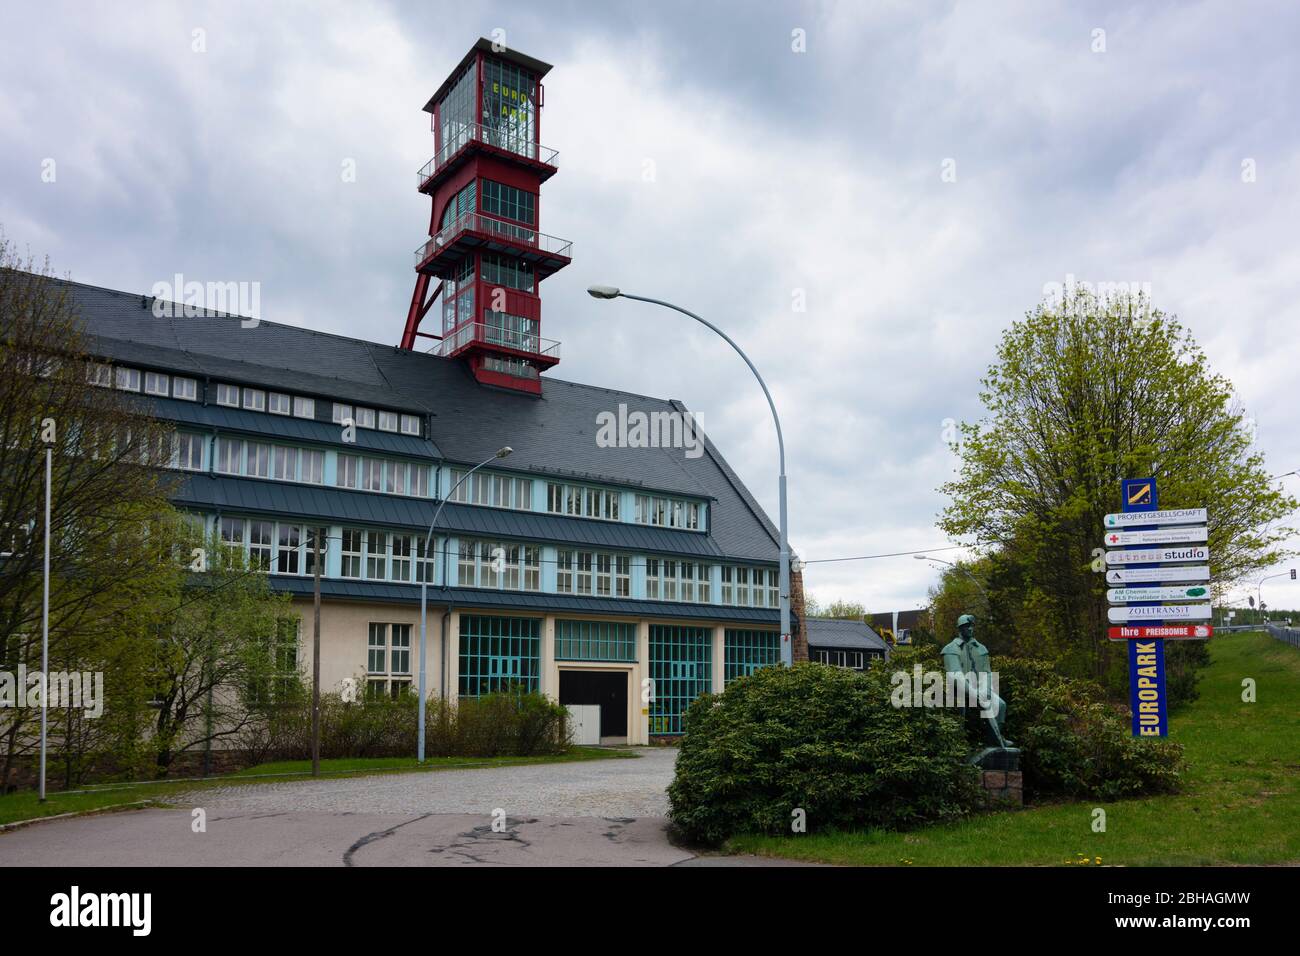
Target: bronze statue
x,y
964,659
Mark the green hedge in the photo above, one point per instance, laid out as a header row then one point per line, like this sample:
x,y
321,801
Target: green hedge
x,y
821,739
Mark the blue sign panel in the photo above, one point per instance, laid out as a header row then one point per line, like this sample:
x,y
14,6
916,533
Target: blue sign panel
x,y
1139,494
1146,674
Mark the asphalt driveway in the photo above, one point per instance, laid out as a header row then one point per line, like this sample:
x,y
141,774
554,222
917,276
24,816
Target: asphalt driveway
x,y
594,813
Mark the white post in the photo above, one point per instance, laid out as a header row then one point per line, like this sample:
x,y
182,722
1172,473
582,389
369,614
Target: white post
x,y
45,621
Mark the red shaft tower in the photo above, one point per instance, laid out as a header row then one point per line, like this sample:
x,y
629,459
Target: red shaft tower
x,y
485,257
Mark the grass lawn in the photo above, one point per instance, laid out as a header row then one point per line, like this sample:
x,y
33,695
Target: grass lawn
x,y
25,805
1240,805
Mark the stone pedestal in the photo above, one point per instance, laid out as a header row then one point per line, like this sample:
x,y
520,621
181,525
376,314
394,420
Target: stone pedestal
x,y
1004,787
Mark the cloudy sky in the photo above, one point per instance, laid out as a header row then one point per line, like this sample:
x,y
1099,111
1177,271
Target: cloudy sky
x,y
706,160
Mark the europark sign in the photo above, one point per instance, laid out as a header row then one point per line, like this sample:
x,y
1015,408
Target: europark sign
x,y
1142,579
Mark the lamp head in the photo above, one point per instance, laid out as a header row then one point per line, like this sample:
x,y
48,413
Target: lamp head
x,y
603,291
505,452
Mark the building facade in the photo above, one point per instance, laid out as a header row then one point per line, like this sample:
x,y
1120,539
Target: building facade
x,y
588,565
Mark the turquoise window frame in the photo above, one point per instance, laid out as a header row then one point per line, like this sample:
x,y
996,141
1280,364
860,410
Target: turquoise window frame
x,y
498,654
681,668
595,641
745,650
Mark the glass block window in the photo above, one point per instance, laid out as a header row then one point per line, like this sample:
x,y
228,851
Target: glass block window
x,y
681,664
498,654
745,651
594,641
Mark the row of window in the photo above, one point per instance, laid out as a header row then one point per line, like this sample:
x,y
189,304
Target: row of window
x,y
286,548
162,385
593,573
380,474
158,384
582,501
260,400
255,459
499,491
384,421
668,512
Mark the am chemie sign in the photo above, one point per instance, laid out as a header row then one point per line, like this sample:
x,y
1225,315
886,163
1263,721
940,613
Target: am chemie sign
x,y
1157,566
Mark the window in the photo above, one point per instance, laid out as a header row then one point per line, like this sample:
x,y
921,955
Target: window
x,y
372,474
376,555
228,395
232,532
585,572
493,564
410,425
498,654
309,551
582,501
508,202
395,478
464,203
387,421
278,403
672,580
259,460
681,663
388,660
313,466
259,544
185,388
852,660
365,417
401,557
284,463
751,587
503,491
595,641
507,271
290,542
230,455
255,399
341,413
424,563
668,512
745,651
377,650
304,407
100,375
128,379
419,481
156,383
188,451
351,553
349,472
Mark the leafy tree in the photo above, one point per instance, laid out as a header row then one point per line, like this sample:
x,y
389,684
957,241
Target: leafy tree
x,y
840,610
1084,394
106,491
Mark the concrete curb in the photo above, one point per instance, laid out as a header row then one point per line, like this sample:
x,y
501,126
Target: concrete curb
x,y
20,824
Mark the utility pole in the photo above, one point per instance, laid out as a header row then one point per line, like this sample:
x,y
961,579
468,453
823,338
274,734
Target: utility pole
x,y
45,619
315,658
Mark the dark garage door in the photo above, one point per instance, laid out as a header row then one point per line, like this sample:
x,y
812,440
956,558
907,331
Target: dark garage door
x,y
606,688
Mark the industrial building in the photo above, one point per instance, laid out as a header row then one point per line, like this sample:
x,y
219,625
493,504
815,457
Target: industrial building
x,y
633,577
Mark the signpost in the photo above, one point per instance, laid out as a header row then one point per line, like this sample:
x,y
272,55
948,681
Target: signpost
x,y
1143,620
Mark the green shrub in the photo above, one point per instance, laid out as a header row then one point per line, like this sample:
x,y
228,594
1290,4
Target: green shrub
x,y
506,724
1076,745
820,739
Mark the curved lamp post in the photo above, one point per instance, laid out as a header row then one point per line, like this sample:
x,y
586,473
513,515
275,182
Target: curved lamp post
x,y
787,649
926,557
424,585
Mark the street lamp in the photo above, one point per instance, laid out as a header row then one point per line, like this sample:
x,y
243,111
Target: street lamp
x,y
1259,589
424,585
926,557
787,650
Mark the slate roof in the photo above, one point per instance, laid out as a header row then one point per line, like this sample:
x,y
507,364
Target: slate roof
x,y
522,600
552,435
846,635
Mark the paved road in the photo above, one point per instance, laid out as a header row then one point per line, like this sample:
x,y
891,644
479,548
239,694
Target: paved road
x,y
598,813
